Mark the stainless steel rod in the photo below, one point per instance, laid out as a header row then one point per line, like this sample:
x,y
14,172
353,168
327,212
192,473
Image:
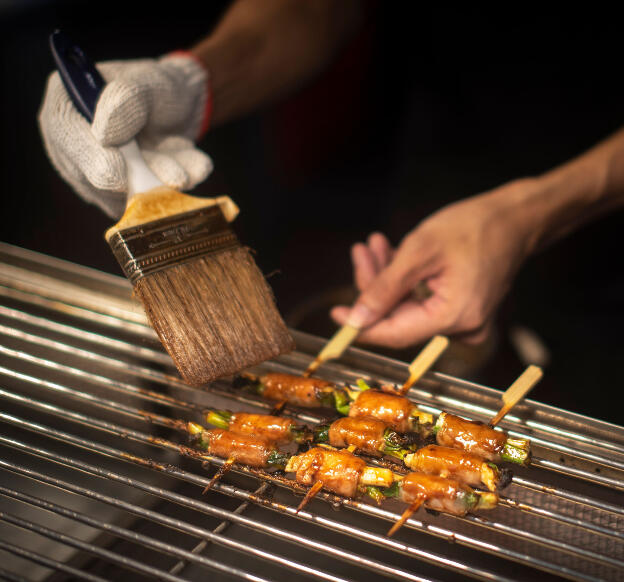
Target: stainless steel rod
x,y
561,518
158,356
202,482
90,315
488,412
147,373
102,553
569,495
177,568
48,562
366,508
324,549
109,383
165,421
162,546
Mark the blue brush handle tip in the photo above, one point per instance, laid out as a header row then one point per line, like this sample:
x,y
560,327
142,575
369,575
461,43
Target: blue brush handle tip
x,y
82,80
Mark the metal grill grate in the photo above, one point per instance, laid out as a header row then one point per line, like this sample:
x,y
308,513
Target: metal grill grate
x,y
97,483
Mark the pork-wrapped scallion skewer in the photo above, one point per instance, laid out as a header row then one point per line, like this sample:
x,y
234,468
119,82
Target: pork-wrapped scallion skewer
x,y
239,448
460,465
336,470
297,390
396,411
368,435
480,439
340,472
276,429
439,494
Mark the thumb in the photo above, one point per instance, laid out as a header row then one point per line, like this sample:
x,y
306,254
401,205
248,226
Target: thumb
x,y
390,286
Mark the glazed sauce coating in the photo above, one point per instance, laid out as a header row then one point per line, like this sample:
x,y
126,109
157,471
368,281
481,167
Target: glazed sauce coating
x,y
474,437
365,433
392,409
447,462
440,494
243,448
272,428
338,470
293,389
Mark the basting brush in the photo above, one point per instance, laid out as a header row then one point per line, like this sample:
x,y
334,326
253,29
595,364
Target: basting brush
x,y
201,290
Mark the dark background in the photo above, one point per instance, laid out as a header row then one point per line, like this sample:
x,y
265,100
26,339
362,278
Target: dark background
x,y
421,109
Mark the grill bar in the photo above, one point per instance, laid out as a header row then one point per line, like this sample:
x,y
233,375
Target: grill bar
x,y
190,477
176,425
165,379
174,524
200,532
75,347
157,397
113,557
109,451
177,568
47,562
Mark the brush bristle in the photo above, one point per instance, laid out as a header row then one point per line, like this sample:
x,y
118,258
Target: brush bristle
x,y
215,315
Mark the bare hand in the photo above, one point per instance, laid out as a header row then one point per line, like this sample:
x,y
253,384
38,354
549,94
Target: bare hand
x,y
467,254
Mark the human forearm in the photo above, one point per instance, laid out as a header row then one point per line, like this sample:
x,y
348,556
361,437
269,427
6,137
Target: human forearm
x,y
263,50
561,200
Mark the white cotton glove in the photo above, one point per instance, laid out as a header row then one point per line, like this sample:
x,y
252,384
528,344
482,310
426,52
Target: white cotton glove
x,y
161,103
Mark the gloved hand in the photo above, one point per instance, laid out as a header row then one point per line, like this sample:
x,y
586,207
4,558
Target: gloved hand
x,y
163,103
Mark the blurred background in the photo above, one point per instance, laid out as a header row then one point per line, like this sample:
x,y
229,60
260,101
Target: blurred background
x,y
419,110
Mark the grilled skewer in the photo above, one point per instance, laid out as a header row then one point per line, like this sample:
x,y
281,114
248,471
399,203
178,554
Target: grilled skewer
x,y
340,471
438,494
276,429
396,411
239,448
456,464
368,435
304,392
480,439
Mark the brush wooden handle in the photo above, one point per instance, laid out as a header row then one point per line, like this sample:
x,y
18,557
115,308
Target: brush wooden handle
x,y
140,176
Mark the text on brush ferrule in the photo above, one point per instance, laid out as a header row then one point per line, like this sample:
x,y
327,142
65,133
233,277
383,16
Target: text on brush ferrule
x,y
152,246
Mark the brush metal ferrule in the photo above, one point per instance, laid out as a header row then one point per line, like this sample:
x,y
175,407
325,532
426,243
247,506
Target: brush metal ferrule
x,y
152,246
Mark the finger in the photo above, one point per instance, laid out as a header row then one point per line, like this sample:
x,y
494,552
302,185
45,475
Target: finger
x,y
409,324
390,286
381,249
364,267
196,164
121,112
70,142
477,336
340,314
167,169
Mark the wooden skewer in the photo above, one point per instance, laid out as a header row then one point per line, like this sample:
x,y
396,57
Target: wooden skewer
x,y
517,391
220,473
278,408
334,348
406,515
424,360
310,495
